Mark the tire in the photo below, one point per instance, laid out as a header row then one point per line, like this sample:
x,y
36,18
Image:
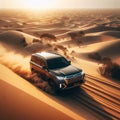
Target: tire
x,y
33,71
44,77
53,86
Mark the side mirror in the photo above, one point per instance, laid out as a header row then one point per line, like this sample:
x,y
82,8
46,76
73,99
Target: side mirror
x,y
44,67
69,62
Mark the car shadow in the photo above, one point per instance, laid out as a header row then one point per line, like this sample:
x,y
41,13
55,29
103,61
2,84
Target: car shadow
x,y
80,102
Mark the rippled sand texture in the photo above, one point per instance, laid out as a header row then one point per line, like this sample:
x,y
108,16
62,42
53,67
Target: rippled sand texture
x,y
20,36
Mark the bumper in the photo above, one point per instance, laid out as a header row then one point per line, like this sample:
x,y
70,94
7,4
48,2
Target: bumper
x,y
64,86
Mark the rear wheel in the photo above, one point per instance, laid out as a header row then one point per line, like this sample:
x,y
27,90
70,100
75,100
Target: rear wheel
x,y
44,83
43,76
33,71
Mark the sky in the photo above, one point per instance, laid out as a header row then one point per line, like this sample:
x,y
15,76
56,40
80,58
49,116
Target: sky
x,y
47,4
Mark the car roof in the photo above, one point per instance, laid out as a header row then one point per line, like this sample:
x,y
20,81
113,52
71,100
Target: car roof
x,y
47,55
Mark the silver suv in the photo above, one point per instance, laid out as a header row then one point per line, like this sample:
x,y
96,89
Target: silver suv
x,y
56,70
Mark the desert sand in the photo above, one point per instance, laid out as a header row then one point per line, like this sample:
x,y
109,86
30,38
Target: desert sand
x,y
21,100
97,99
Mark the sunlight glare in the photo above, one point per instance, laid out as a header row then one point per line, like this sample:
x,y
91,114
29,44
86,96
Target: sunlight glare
x,y
40,4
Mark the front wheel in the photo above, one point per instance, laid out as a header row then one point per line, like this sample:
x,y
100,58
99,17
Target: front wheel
x,y
53,86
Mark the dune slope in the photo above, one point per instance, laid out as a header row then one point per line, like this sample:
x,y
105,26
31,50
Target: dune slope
x,y
20,100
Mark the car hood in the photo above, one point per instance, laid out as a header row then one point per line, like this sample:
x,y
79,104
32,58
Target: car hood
x,y
69,70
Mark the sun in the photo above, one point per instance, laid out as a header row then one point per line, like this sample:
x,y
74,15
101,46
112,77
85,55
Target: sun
x,y
40,4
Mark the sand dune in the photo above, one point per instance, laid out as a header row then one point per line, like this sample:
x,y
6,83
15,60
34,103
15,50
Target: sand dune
x,y
112,49
23,43
104,49
15,37
3,23
105,43
97,99
115,34
99,28
90,38
26,102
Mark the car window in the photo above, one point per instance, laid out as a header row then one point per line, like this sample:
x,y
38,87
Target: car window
x,y
41,62
57,63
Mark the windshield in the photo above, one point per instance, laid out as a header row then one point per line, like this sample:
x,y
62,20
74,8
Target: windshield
x,y
57,63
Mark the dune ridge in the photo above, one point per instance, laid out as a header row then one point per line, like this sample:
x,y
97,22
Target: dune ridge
x,y
20,35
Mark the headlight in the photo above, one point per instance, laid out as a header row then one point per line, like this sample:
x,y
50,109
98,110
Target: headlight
x,y
60,78
82,73
61,81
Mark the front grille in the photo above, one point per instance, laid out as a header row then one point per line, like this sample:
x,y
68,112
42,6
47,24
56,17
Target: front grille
x,y
73,78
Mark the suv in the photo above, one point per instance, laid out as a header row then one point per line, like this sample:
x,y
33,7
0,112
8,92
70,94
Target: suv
x,y
56,70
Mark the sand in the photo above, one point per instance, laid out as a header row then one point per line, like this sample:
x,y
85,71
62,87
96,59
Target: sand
x,y
27,102
20,34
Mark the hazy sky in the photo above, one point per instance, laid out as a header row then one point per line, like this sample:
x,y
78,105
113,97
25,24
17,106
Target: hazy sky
x,y
44,4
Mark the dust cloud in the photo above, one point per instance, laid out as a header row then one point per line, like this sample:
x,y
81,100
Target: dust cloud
x,y
16,62
21,66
